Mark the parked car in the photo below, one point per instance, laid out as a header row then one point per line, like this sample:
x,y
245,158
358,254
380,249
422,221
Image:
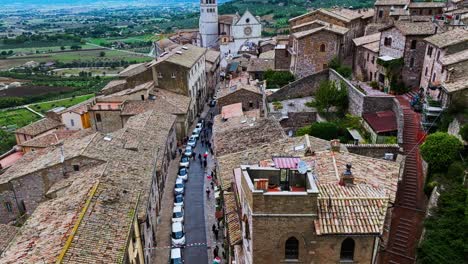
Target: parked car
x,y
179,200
184,162
199,126
177,214
179,187
196,133
188,151
178,234
183,174
192,141
176,256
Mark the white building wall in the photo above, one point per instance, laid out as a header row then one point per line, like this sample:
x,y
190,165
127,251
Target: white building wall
x,y
208,24
72,121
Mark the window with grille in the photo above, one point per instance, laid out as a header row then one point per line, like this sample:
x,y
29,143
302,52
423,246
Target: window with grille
x,y
291,248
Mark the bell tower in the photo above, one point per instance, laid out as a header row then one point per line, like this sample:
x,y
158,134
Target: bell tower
x,y
208,22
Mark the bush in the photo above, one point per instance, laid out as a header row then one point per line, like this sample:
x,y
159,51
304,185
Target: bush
x,y
374,85
278,79
345,71
456,172
440,150
329,94
324,130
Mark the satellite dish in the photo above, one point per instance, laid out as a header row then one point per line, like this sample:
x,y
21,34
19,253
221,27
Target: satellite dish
x,y
302,167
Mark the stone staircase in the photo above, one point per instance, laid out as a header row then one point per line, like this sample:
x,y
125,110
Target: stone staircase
x,y
408,214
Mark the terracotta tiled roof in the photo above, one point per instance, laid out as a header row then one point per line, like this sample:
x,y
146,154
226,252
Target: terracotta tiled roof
x,y
233,110
133,70
113,84
40,127
181,102
44,234
391,2
212,55
448,38
455,58
7,233
240,133
142,87
332,28
260,65
427,4
374,46
367,39
252,155
456,86
48,140
227,19
268,55
232,218
415,28
185,56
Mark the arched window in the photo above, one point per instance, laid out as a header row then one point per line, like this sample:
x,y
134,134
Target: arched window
x,y
322,48
347,249
291,248
413,44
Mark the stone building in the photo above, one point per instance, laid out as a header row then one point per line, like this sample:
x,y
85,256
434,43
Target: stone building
x,y
313,49
335,212
182,71
119,177
105,116
383,9
36,129
258,66
354,20
247,93
45,141
213,71
426,8
448,44
76,117
365,57
404,40
136,74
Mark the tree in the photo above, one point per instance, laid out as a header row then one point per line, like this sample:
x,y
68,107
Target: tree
x,y
323,130
329,94
75,47
440,150
464,132
4,53
62,48
10,52
278,79
102,54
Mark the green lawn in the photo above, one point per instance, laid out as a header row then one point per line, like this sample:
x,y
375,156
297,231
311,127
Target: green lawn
x,y
44,107
44,49
134,39
17,118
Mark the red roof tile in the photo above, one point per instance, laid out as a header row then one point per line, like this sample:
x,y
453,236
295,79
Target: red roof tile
x,y
286,162
384,121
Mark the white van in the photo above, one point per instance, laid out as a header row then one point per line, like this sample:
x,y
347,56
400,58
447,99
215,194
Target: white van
x,y
178,234
177,214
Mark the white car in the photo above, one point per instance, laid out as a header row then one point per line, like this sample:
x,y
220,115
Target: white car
x,y
188,151
184,162
176,256
199,126
178,234
196,133
179,200
192,142
177,214
183,174
179,187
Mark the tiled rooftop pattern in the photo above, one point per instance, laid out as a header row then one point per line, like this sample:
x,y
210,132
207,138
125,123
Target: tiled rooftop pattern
x,y
185,57
448,38
40,127
7,233
232,218
48,140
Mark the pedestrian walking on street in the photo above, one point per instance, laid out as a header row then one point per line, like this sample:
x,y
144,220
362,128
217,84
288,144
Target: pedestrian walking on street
x,y
208,192
212,185
213,228
216,234
180,151
215,252
205,163
194,155
199,156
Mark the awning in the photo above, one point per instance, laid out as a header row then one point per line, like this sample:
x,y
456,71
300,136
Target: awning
x,y
286,162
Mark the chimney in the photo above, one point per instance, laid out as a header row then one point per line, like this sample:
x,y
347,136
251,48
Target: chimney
x,y
347,178
335,145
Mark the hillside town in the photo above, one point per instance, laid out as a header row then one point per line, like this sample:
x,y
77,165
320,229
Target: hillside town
x,y
220,150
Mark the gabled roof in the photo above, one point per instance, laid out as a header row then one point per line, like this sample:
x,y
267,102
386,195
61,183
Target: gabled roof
x,y
260,65
247,13
232,218
7,233
427,4
409,28
448,38
367,39
342,14
185,56
391,2
48,140
331,28
133,70
456,86
455,58
40,127
212,55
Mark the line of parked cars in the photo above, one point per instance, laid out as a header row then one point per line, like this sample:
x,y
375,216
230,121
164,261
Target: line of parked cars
x,y
178,233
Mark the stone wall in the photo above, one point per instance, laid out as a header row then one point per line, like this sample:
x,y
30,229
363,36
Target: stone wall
x,y
356,97
396,108
377,103
374,150
140,78
413,61
282,59
300,88
110,120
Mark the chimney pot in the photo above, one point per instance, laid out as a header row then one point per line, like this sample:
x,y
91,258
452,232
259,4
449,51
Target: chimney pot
x,y
347,178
